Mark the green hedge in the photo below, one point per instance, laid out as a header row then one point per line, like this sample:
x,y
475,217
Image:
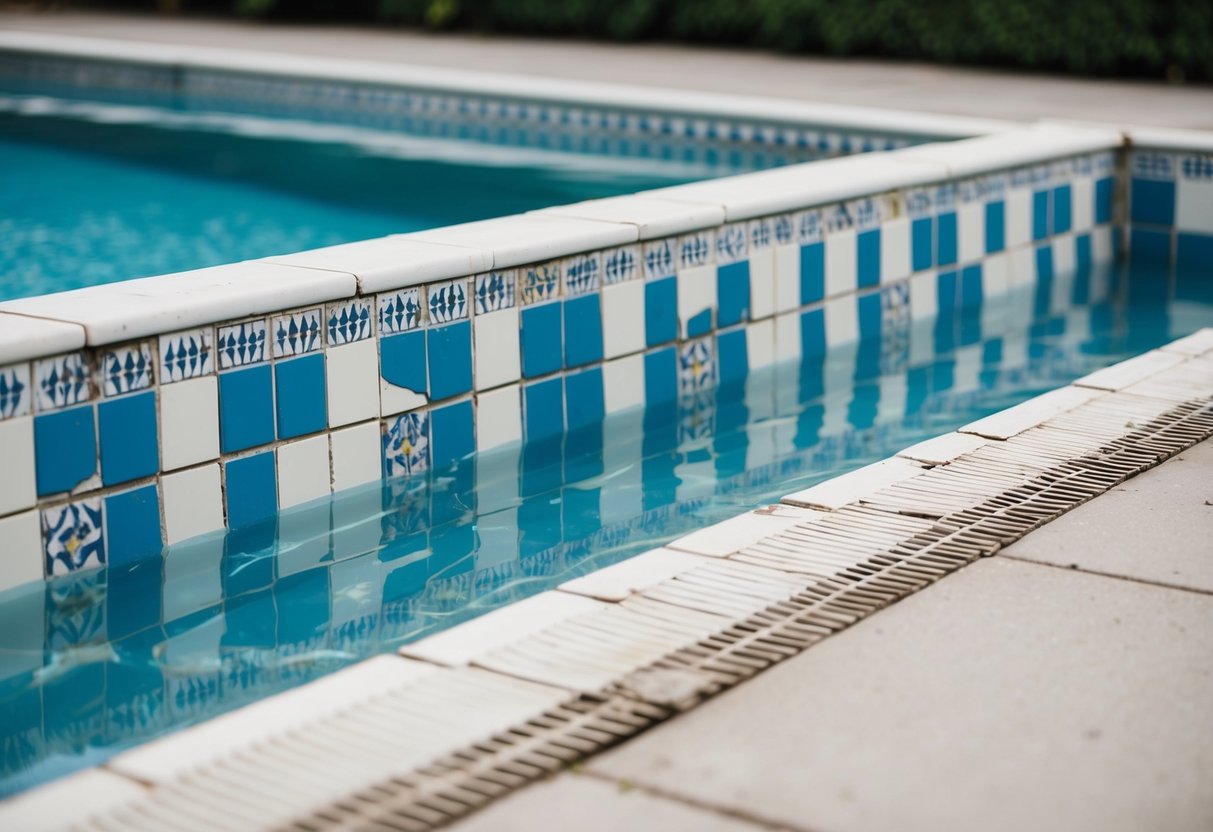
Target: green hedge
x,y
1143,38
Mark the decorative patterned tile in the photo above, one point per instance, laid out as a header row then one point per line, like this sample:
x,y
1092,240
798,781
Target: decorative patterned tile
x,y
838,217
696,366
919,203
241,344
496,290
448,301
810,227
296,333
620,265
14,391
865,213
694,249
659,259
406,445
61,381
539,283
185,355
76,611
72,537
762,233
731,243
1197,166
582,274
400,311
126,369
348,321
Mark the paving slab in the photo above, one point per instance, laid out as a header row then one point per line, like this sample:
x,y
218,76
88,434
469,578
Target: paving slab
x,y
1009,696
587,804
1157,527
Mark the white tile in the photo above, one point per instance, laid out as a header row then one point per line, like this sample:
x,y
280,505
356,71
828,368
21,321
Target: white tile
x,y
352,376
894,391
623,383
787,277
496,349
193,503
971,231
391,262
1022,267
189,422
131,309
393,399
696,293
356,455
69,801
842,320
1198,343
1121,375
1018,209
303,471
787,337
498,418
21,559
23,338
760,344
652,217
995,276
636,574
762,283
966,369
1063,264
530,238
854,486
465,642
894,250
623,319
1101,245
18,483
1194,205
840,254
1082,205
736,533
1029,414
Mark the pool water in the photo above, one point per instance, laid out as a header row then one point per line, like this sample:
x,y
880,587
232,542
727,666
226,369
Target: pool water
x,y
95,663
92,193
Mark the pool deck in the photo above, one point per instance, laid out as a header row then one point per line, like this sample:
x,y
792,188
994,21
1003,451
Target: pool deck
x,y
868,83
1061,684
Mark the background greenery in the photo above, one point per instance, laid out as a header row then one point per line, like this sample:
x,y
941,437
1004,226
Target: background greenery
x,y
1144,38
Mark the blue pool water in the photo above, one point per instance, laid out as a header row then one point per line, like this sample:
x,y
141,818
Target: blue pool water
x,y
92,193
94,663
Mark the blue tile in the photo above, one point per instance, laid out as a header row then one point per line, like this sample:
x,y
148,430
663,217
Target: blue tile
x,y
996,226
868,258
869,317
812,273
813,333
584,401
922,239
1044,262
946,289
582,330
402,361
252,490
946,229
733,293
65,449
129,449
452,434
302,398
1152,201
1062,209
660,311
544,409
1040,215
132,526
970,286
733,363
541,341
1082,252
1194,251
449,351
660,376
302,601
699,324
246,408
1104,190
1149,247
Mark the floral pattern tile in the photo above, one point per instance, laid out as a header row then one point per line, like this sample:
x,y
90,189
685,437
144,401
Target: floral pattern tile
x,y
582,274
696,366
620,265
659,259
731,243
496,290
448,301
810,227
61,381
762,233
297,333
539,283
73,537
348,321
695,249
400,311
14,391
187,354
126,369
241,344
406,445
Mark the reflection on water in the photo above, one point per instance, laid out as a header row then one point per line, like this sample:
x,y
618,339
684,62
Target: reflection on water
x,y
93,663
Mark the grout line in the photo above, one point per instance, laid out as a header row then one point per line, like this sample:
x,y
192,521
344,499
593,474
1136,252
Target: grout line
x,y
1100,574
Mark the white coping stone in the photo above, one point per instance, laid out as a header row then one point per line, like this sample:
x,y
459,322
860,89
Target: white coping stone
x,y
529,238
852,487
653,217
794,187
636,574
170,757
1015,420
1168,138
736,533
391,262
1198,343
940,450
1121,375
23,338
1013,148
463,643
129,309
68,802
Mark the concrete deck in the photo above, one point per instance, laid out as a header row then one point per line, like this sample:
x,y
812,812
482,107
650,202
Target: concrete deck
x,y
1013,695
868,83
